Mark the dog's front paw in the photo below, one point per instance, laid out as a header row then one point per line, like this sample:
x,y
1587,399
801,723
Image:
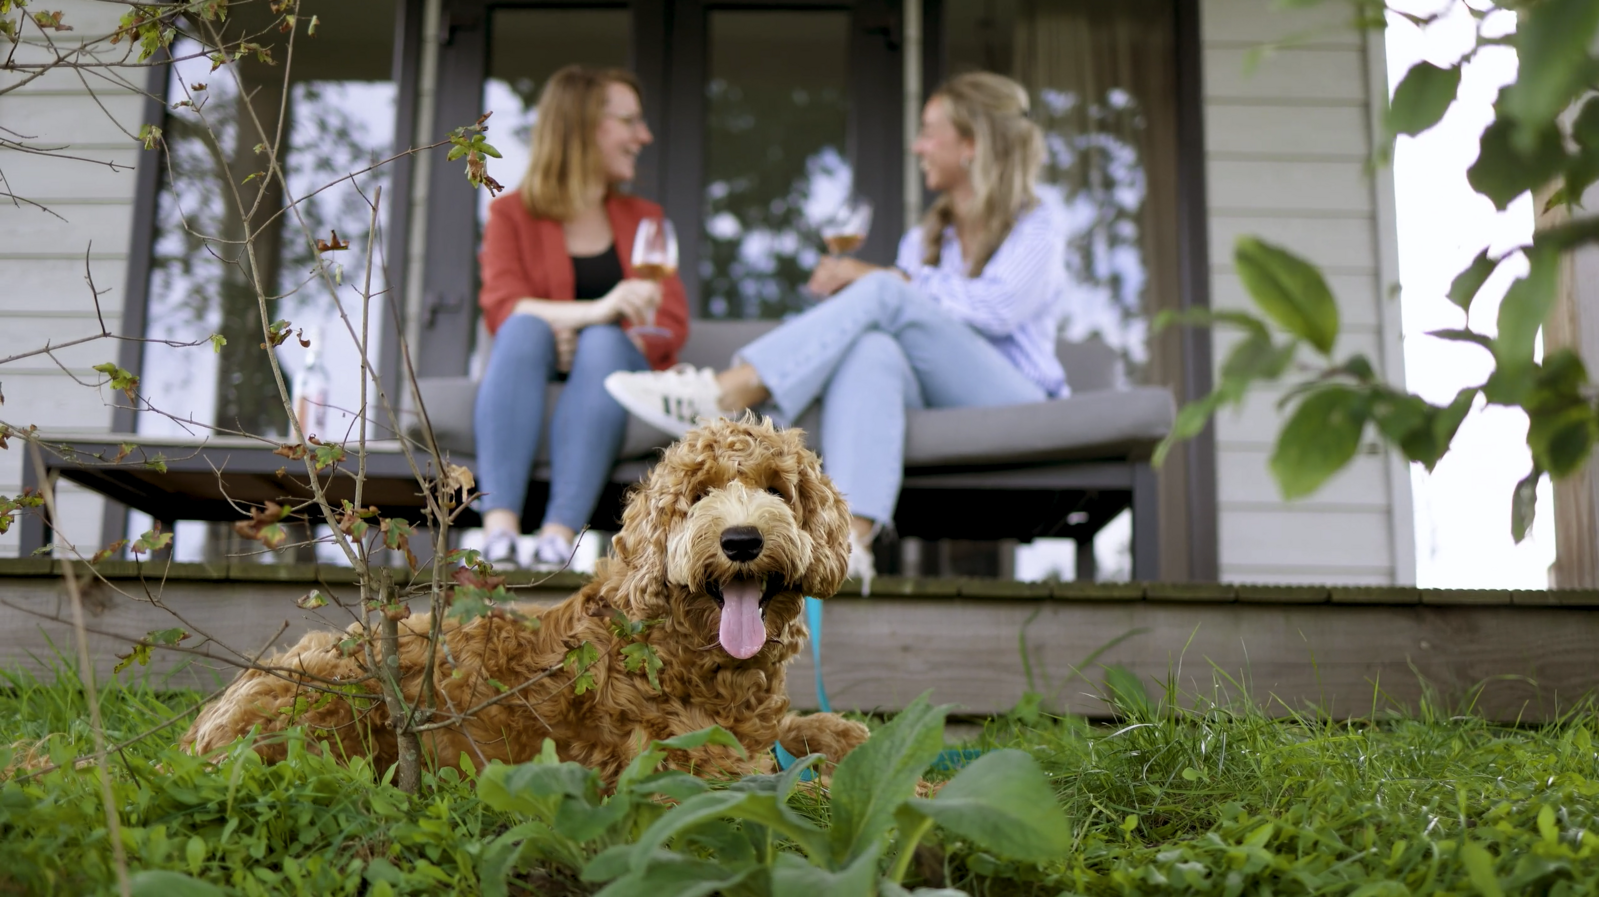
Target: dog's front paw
x,y
821,733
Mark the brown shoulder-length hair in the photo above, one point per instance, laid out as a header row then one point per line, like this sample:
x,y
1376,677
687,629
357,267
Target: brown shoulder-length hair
x,y
991,111
565,164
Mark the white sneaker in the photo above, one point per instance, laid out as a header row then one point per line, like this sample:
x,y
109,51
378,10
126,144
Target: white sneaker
x,y
675,401
499,549
862,565
551,552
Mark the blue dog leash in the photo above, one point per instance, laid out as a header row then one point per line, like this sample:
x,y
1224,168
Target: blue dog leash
x,y
813,619
948,761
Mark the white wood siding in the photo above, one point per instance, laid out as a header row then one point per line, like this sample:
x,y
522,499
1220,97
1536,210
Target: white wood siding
x,y
44,296
1286,151
1290,100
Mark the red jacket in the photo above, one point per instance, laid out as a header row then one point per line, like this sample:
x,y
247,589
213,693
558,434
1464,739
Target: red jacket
x,y
525,258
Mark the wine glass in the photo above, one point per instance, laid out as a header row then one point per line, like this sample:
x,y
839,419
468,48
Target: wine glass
x,y
654,258
847,229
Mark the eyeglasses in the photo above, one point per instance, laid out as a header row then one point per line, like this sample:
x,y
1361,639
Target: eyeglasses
x,y
633,121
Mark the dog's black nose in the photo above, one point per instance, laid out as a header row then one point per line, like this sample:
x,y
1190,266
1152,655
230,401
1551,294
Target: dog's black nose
x,y
742,543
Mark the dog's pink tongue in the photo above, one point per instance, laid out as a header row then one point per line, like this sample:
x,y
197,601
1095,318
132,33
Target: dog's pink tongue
x,y
743,631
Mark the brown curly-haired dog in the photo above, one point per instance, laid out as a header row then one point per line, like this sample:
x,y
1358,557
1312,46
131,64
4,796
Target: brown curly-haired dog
x,y
718,547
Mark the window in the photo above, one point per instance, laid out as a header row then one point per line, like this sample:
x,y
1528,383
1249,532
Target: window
x,y
776,160
340,118
526,47
1104,89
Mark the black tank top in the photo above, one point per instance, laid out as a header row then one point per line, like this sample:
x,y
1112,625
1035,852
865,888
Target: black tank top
x,y
595,275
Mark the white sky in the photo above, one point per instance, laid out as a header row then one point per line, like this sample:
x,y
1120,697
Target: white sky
x,y
1463,506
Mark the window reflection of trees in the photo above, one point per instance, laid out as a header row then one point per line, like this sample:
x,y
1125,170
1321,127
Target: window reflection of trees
x,y
774,168
201,278
1100,176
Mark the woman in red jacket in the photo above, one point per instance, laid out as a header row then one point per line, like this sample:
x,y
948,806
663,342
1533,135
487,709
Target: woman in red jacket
x,y
559,296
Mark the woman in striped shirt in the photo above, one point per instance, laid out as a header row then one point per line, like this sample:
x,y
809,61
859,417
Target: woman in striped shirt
x,y
967,317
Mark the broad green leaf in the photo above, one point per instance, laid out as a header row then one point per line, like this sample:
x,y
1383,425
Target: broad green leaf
x,y
163,883
1547,830
1503,171
583,821
1562,381
1208,317
1464,336
878,776
1191,419
194,852
689,813
793,877
647,762
1448,420
1358,367
1469,282
731,844
1257,358
1583,171
1524,505
701,738
672,783
1560,440
611,863
1400,416
1422,98
1290,290
1480,869
1320,438
1522,313
677,877
498,859
1553,38
1585,127
1428,441
1004,804
774,813
535,789
1127,694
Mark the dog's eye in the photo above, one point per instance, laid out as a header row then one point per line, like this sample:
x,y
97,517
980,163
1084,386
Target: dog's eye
x,y
777,492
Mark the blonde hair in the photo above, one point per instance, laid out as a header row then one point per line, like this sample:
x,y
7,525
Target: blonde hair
x,y
566,166
991,111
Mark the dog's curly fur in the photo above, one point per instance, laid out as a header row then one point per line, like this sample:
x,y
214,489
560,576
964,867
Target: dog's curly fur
x,y
666,564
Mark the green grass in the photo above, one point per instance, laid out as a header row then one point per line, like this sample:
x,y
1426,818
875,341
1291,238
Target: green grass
x,y
1204,800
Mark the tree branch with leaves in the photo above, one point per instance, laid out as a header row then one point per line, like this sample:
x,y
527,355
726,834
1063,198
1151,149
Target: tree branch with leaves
x,y
1544,139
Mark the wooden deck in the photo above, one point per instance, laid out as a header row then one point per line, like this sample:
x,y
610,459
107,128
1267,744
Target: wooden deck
x,y
1345,650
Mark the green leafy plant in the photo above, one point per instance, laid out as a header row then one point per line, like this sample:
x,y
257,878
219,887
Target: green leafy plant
x,y
749,838
1544,138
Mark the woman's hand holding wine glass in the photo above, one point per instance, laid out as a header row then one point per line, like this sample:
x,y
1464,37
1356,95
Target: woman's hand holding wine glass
x,y
654,260
843,233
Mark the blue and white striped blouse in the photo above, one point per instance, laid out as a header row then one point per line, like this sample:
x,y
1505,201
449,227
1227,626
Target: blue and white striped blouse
x,y
1016,301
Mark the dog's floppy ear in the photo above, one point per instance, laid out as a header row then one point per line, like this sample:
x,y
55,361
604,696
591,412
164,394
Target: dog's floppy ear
x,y
639,549
825,517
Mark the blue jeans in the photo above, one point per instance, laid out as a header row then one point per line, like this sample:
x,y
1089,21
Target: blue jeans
x,y
873,350
586,431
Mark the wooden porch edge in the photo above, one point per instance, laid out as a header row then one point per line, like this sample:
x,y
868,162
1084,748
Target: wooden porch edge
x,y
885,586
1347,652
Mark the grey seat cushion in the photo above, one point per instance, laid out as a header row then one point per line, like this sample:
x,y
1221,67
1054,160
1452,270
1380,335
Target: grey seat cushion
x,y
450,401
1096,422
1119,423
